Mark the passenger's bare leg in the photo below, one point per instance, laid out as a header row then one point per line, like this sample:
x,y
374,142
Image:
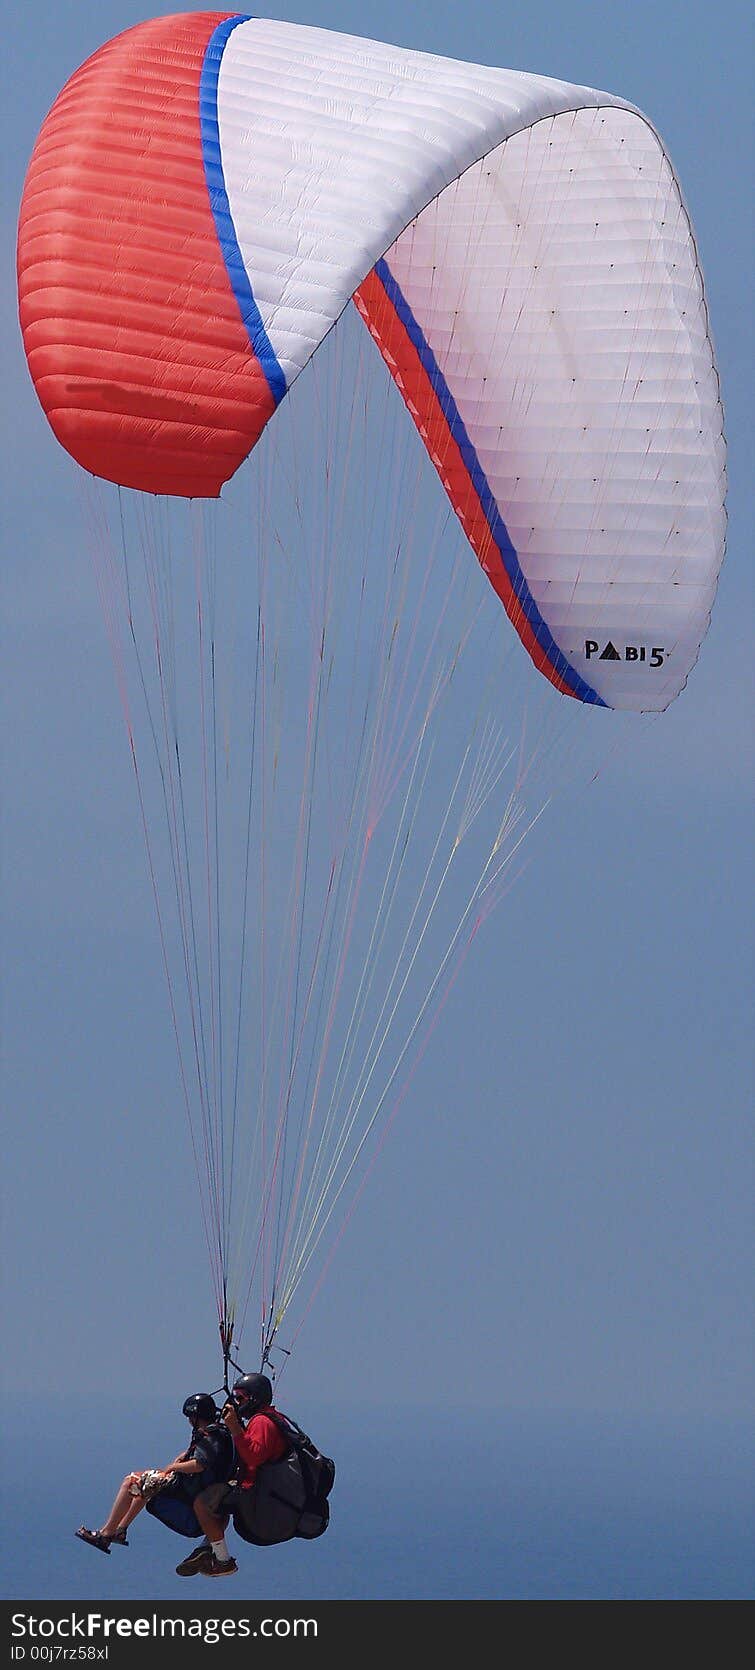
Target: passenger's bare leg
x,y
122,1505
136,1506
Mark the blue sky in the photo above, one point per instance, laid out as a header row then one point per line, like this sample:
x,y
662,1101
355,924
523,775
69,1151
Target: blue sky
x,y
563,1215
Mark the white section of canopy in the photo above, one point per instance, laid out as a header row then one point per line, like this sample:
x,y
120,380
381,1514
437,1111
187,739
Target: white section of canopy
x,y
557,286
541,240
332,144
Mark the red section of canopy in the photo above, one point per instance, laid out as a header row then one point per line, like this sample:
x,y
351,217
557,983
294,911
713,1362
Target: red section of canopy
x,y
408,372
133,335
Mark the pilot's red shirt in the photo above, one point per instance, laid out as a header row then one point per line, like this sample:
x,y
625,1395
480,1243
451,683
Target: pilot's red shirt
x,y
260,1442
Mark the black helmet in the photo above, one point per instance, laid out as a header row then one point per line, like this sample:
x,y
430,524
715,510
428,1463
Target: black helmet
x,y
252,1391
200,1407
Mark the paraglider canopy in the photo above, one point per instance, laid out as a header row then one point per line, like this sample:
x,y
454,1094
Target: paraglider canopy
x,y
518,248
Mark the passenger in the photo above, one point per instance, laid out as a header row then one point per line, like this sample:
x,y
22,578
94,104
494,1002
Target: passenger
x,y
198,1476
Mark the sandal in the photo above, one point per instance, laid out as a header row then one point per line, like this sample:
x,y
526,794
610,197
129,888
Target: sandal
x,y
94,1538
120,1538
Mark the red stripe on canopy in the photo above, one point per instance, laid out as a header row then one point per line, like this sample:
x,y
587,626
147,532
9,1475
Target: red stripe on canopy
x,y
406,368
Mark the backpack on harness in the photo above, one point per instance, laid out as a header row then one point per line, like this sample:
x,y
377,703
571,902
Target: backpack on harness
x,y
289,1498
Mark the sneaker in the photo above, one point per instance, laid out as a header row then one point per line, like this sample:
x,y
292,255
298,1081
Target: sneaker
x,y
195,1561
218,1568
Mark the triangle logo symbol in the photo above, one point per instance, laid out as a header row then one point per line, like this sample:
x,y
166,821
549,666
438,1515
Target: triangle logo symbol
x,y
610,653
